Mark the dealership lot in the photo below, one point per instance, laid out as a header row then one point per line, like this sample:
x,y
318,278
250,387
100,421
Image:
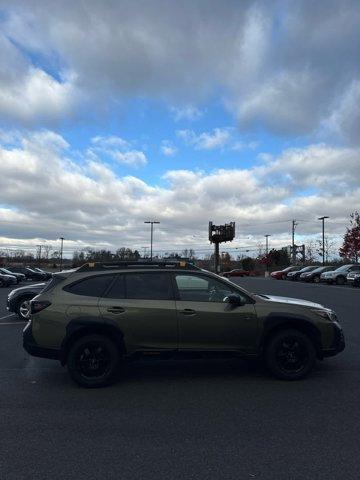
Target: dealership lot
x,y
185,419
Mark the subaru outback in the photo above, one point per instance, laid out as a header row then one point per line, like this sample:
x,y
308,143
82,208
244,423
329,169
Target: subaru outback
x,y
93,318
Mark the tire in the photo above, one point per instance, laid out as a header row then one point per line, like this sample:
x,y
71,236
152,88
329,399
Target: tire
x,y
23,307
316,279
290,355
283,277
2,283
93,361
340,280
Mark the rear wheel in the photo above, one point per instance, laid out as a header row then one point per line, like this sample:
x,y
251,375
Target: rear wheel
x,y
290,354
93,361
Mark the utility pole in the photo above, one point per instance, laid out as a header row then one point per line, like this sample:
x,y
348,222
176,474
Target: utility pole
x,y
61,252
267,252
323,238
293,251
151,236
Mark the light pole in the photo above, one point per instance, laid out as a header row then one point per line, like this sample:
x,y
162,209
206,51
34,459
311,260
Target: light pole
x,y
323,238
267,251
61,252
39,247
151,236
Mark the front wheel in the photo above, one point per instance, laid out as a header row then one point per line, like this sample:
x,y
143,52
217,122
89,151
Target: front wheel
x,y
290,355
23,308
316,279
93,361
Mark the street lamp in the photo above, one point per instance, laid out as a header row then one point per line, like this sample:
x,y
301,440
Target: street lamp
x,y
267,251
151,236
323,238
61,252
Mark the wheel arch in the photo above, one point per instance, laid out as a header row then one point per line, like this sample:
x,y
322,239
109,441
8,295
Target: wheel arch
x,y
274,324
84,326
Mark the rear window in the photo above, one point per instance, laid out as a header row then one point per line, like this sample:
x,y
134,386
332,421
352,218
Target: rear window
x,y
91,286
149,286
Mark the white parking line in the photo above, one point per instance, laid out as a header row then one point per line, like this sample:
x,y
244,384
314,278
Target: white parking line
x,y
8,316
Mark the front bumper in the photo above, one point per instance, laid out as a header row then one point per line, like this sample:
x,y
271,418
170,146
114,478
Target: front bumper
x,y
34,349
338,344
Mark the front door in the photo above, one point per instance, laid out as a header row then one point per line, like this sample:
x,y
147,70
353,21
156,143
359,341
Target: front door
x,y
206,322
142,305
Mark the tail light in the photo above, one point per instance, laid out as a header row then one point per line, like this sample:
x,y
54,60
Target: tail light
x,y
36,306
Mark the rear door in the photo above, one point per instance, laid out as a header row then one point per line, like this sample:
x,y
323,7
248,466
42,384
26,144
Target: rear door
x,y
206,322
143,306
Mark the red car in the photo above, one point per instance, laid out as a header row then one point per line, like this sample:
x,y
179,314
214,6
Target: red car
x,y
281,274
237,272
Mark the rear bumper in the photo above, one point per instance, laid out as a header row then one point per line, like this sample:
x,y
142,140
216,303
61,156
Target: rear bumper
x,y
34,349
338,344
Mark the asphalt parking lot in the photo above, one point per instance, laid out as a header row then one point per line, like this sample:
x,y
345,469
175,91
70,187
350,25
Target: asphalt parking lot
x,y
218,419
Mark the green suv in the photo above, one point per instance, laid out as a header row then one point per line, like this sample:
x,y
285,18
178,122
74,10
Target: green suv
x,y
94,317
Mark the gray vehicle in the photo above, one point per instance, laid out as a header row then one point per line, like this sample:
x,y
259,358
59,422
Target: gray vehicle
x,y
353,279
19,276
18,300
7,280
294,275
339,276
314,275
95,317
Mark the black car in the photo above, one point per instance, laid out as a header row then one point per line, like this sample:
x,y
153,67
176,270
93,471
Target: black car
x,y
314,275
19,276
46,274
30,273
18,300
295,275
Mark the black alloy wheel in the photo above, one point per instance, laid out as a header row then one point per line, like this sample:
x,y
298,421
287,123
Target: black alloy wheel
x,y
316,279
93,361
290,355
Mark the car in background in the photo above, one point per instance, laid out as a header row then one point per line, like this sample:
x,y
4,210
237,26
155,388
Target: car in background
x,y
7,280
314,275
18,300
29,273
353,278
237,272
19,276
295,275
281,274
46,274
339,276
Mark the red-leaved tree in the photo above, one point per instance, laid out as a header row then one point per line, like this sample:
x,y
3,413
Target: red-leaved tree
x,y
350,248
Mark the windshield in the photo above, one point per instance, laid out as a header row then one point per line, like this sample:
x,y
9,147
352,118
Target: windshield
x,y
343,268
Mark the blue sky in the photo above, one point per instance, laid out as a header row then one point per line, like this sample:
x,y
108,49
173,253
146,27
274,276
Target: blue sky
x,y
111,114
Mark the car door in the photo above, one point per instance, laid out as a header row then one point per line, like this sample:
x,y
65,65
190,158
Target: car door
x,y
206,322
142,305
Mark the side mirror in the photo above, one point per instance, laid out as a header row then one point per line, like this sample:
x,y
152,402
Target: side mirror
x,y
234,300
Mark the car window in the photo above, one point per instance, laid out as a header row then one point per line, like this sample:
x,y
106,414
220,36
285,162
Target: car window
x,y
355,268
148,286
117,289
94,286
194,288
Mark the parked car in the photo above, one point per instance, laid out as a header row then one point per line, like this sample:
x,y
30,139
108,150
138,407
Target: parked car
x,y
314,275
295,275
29,273
97,316
7,280
353,278
281,274
47,275
18,300
339,275
237,272
19,276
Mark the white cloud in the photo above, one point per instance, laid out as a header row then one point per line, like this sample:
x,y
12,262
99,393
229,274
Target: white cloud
x,y
47,195
187,112
289,68
218,138
167,148
134,158
118,149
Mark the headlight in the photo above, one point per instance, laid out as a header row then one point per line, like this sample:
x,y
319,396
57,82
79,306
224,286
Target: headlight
x,y
325,313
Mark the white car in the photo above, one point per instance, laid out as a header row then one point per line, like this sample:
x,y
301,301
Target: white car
x,y
339,276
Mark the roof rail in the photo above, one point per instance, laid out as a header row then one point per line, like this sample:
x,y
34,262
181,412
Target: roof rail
x,y
101,266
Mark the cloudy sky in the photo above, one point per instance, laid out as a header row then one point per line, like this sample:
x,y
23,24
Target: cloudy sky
x,y
117,112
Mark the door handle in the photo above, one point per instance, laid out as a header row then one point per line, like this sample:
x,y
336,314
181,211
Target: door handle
x,y
187,311
116,309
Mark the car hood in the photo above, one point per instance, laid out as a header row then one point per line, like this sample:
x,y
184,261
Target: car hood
x,y
292,301
34,286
